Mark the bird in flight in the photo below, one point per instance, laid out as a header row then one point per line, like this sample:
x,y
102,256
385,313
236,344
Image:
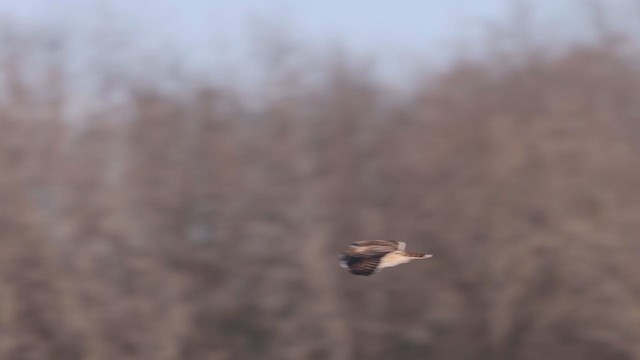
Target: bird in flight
x,y
367,257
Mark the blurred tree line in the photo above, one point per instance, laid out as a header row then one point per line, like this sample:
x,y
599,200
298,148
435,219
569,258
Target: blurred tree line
x,y
168,217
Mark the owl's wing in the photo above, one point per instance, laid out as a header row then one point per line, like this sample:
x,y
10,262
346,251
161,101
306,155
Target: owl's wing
x,y
359,265
373,247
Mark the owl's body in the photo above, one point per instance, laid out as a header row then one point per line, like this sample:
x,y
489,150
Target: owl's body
x,y
368,257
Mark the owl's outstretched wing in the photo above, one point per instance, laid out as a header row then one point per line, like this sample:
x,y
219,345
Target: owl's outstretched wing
x,y
375,247
359,265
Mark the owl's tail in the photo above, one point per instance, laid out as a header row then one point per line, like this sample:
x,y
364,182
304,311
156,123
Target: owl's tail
x,y
415,255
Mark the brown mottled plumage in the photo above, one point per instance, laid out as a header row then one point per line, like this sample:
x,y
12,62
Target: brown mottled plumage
x,y
367,257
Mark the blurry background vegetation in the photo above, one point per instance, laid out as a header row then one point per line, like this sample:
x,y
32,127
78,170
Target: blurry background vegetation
x,y
149,211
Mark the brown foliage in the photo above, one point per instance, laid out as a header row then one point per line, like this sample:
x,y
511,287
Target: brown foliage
x,y
199,225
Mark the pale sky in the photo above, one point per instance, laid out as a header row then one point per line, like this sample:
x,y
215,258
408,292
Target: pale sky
x,y
198,28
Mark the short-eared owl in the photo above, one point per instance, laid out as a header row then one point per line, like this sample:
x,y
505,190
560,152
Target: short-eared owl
x,y
368,257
